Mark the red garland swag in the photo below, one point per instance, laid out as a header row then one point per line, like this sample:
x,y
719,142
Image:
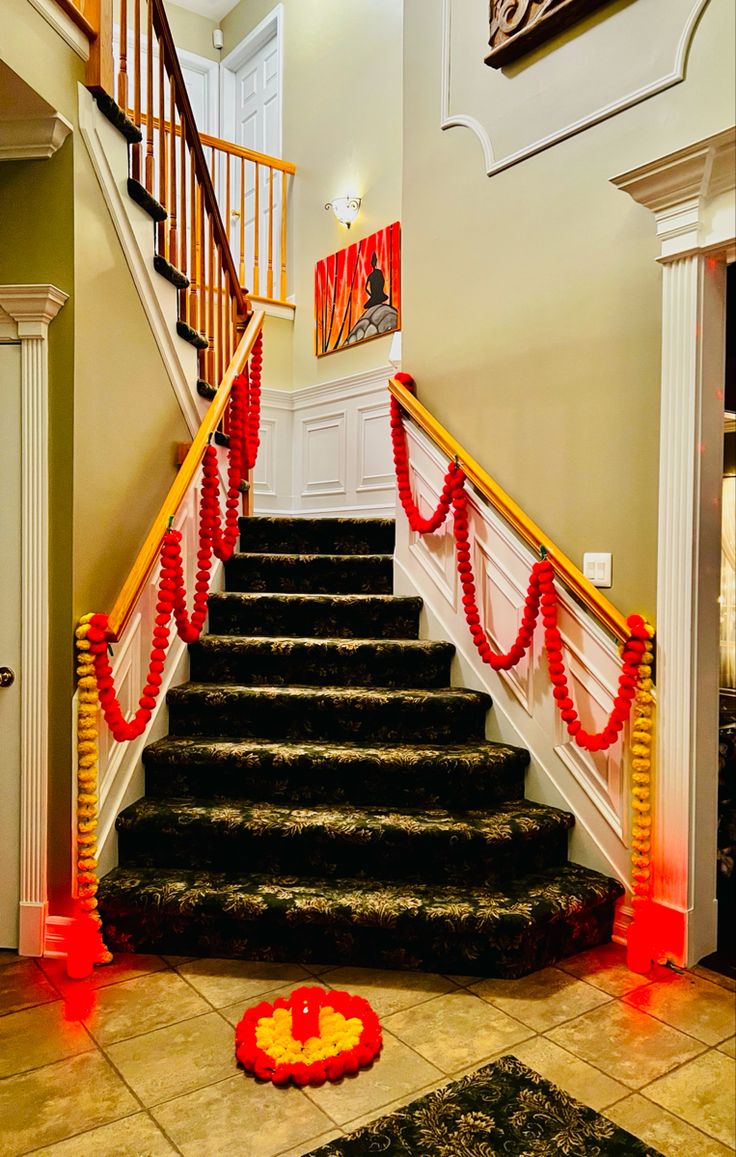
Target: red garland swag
x,y
243,423
540,593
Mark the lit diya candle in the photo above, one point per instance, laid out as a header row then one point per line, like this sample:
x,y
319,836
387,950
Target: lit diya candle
x,y
305,1018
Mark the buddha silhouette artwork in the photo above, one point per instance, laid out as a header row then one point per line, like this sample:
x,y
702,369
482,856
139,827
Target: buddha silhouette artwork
x,y
357,292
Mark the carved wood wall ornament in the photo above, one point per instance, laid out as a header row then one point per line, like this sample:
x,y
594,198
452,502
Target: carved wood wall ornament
x,y
520,25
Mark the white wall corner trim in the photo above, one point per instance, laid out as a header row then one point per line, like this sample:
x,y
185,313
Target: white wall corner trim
x,y
32,308
493,164
64,25
687,192
33,138
108,154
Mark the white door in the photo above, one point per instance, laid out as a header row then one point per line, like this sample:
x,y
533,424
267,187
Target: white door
x,y
10,530
253,120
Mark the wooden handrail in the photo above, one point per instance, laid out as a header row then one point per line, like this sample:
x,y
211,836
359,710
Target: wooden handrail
x,y
147,555
230,147
564,568
173,68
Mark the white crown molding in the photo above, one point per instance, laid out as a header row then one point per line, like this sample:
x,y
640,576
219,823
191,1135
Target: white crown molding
x,y
64,25
32,308
692,194
493,164
341,389
33,138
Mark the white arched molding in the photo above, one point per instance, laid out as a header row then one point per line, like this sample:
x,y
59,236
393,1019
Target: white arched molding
x,y
691,194
30,309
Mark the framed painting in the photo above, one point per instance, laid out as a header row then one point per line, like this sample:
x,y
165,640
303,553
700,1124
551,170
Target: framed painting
x,y
517,26
357,292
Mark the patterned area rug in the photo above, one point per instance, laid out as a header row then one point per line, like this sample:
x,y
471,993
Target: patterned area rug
x,y
505,1109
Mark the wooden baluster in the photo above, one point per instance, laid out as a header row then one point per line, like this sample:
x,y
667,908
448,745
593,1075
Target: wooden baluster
x,y
161,228
149,99
171,203
282,293
227,297
201,323
123,69
210,278
183,191
220,320
256,228
135,151
241,267
228,221
269,277
194,289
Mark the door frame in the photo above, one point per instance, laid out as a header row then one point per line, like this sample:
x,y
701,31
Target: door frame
x,y
270,26
28,312
692,195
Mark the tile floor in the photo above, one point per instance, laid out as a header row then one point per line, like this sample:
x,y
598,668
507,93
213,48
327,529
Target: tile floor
x,y
139,1059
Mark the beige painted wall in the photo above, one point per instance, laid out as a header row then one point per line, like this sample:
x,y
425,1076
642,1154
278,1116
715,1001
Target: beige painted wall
x,y
342,129
532,299
192,31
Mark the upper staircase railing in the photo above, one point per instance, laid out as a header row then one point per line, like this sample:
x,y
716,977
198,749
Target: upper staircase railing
x,y
575,581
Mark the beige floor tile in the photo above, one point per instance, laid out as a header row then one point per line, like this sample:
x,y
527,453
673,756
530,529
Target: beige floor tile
x,y
392,1106
178,1059
53,1103
223,981
138,1006
244,1116
543,999
132,1137
313,1143
388,991
665,1132
715,977
626,1044
39,1036
398,1072
234,1012
695,1006
576,1077
605,967
456,1030
125,966
22,984
729,1047
703,1092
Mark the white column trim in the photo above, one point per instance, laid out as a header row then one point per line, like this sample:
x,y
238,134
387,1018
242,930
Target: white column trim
x,y
688,191
32,308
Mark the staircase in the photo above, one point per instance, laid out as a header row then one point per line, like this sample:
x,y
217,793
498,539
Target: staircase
x,y
326,796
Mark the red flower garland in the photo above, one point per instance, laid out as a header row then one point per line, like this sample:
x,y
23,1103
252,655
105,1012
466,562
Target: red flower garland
x,y
328,1068
243,421
541,592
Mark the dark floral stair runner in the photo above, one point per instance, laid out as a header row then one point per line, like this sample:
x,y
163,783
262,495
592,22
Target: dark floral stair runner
x,y
325,794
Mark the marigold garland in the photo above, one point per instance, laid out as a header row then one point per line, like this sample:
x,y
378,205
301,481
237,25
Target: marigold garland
x,y
634,683
269,1044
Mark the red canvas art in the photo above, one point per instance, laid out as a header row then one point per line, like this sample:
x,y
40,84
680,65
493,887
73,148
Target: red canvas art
x,y
357,292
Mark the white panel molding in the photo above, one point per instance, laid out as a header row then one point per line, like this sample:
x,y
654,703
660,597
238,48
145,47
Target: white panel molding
x,y
64,25
355,477
32,138
692,194
264,477
31,309
495,580
495,164
108,154
590,785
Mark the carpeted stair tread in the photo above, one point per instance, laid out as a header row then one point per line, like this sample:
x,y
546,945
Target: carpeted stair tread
x,y
413,843
139,193
451,775
288,660
117,117
316,573
317,536
191,335
170,272
533,921
385,714
321,615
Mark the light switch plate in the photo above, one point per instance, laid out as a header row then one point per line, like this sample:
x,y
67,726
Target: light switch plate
x,y
597,568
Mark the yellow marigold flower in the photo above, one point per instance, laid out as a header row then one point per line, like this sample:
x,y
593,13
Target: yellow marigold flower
x,y
641,764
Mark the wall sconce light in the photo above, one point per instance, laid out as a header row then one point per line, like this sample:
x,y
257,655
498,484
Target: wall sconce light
x,y
346,209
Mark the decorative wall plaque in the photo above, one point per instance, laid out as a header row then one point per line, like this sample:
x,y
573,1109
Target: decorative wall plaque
x,y
520,25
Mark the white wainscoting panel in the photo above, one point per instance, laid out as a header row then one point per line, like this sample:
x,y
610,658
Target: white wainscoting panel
x,y
326,450
591,785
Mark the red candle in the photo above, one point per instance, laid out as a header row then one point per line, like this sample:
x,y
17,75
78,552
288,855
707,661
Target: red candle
x,y
304,1018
